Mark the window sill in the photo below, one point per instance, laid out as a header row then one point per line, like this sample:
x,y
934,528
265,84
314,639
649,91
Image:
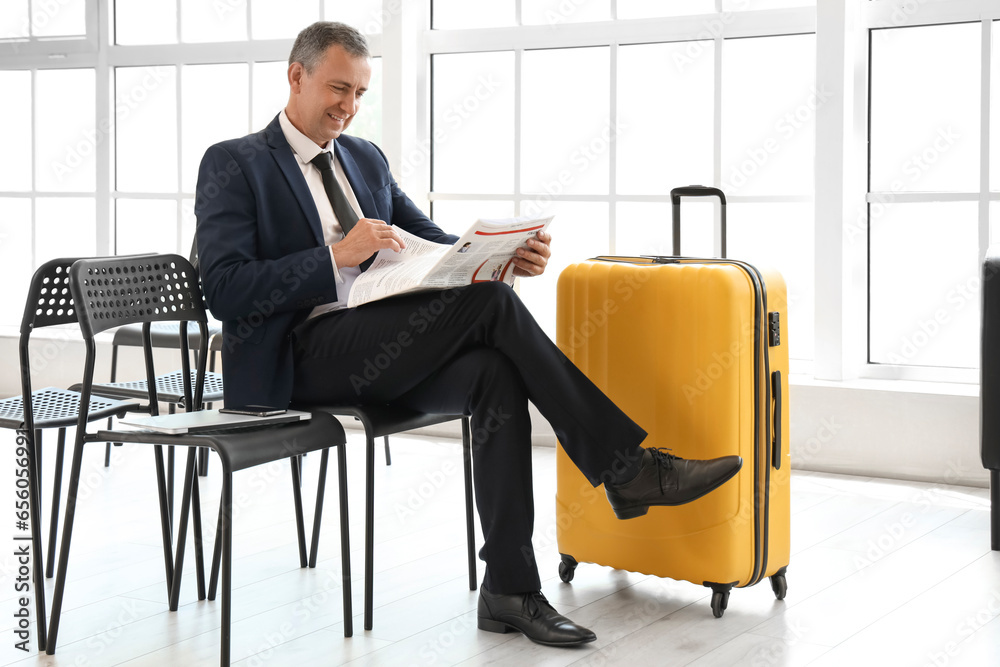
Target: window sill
x,y
897,386
67,332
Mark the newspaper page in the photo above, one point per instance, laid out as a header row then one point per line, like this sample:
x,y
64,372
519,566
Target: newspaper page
x,y
485,252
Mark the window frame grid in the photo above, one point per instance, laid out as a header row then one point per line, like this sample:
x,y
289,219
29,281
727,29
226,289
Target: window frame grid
x,y
98,52
614,34
62,46
883,15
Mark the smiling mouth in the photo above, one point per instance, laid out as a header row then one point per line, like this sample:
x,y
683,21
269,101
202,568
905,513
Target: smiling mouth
x,y
337,118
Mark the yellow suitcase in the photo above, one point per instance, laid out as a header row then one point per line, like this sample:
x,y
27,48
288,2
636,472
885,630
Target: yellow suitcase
x,y
696,352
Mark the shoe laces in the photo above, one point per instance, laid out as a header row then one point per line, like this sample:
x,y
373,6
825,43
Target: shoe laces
x,y
533,604
664,461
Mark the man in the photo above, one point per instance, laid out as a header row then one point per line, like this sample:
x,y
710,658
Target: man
x,y
277,269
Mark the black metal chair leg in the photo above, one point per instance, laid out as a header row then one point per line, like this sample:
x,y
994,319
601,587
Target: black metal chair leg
x,y
213,582
175,584
114,373
34,497
470,525
67,536
226,530
170,486
166,526
995,509
37,443
114,364
54,510
388,457
300,530
369,528
199,542
171,409
203,459
345,537
318,514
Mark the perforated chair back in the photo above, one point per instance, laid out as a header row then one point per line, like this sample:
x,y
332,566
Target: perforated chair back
x,y
49,299
115,291
49,303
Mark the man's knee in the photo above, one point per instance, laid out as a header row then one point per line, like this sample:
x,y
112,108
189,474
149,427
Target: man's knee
x,y
489,363
495,291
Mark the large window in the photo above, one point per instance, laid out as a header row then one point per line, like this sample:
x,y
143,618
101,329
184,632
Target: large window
x,y
103,152
929,195
596,128
591,110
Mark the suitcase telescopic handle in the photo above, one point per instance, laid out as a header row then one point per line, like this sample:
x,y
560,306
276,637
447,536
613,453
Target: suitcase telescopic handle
x,y
695,191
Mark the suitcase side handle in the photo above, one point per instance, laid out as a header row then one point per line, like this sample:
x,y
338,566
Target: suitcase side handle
x,y
776,443
695,191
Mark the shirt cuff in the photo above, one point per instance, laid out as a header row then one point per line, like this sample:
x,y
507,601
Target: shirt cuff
x,y
336,272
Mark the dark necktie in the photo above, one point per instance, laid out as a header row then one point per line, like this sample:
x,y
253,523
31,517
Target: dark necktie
x,y
341,208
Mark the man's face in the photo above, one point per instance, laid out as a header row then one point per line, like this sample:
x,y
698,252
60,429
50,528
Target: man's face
x,y
323,103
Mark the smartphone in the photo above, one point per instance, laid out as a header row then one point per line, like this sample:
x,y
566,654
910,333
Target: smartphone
x,y
253,410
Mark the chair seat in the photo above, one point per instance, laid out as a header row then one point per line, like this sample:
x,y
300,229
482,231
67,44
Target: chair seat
x,y
58,408
383,420
169,388
161,334
241,448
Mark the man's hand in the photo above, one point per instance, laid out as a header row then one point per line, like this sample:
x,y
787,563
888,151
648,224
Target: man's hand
x,y
531,261
365,239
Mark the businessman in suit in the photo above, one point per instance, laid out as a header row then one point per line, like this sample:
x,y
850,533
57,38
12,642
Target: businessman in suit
x,y
290,216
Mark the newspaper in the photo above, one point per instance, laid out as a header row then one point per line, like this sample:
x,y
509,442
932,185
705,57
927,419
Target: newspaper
x,y
484,252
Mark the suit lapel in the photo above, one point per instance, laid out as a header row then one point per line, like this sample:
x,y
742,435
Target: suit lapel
x,y
357,181
283,155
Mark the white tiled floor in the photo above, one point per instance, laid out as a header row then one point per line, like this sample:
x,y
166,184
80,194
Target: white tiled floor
x,y
882,573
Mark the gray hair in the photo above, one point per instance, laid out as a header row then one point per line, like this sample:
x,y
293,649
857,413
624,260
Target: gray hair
x,y
312,43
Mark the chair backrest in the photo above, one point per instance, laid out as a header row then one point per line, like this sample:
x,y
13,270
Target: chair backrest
x,y
50,301
114,291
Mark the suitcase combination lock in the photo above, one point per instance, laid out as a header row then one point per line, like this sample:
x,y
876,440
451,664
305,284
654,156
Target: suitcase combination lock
x,y
774,328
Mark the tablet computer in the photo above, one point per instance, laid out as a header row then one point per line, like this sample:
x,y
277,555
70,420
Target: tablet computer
x,y
208,420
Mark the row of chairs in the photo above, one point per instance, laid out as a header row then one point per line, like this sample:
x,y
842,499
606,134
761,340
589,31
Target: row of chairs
x,y
147,291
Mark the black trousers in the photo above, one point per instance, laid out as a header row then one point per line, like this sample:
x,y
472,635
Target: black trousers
x,y
474,350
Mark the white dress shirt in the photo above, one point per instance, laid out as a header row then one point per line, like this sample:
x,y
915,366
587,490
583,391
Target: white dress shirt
x,y
306,149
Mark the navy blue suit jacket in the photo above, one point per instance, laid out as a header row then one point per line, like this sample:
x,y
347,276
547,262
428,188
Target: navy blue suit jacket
x,y
263,260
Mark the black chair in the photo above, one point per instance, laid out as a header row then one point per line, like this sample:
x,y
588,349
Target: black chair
x,y
381,421
113,291
49,303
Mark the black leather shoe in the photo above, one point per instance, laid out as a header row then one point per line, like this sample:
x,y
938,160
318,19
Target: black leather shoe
x,y
531,614
665,479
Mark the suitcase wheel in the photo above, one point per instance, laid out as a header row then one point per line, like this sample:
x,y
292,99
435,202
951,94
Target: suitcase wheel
x,y
720,601
567,567
779,585
720,597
